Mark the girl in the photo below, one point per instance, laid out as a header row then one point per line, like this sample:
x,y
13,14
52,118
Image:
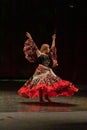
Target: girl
x,y
44,83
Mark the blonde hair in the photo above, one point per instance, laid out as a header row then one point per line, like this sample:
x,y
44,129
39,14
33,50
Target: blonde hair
x,y
44,48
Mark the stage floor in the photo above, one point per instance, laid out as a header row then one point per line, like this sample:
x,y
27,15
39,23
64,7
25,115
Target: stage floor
x,y
64,113
10,101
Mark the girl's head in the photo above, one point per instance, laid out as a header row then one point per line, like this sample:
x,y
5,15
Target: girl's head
x,y
45,48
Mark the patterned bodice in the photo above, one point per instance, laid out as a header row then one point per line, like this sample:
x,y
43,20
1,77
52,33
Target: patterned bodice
x,y
44,60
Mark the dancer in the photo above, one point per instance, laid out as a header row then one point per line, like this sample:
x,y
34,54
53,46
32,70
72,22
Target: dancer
x,y
44,83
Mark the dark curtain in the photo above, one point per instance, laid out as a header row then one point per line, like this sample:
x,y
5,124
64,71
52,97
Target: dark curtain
x,y
41,19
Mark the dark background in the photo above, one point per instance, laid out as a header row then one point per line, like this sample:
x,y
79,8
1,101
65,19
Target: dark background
x,y
41,18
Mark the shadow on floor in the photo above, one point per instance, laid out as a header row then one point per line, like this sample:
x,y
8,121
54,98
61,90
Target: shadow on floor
x,y
53,104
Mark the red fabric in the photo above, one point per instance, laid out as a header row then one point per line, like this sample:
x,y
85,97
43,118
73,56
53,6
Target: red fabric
x,y
30,50
61,88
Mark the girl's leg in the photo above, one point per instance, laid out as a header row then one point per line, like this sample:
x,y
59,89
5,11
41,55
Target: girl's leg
x,y
47,98
41,95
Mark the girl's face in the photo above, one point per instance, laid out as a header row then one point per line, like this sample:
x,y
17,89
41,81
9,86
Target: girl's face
x,y
48,50
45,48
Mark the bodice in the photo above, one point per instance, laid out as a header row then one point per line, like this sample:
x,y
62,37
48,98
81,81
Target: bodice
x,y
44,59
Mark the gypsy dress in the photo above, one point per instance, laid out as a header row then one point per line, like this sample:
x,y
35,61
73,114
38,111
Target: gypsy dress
x,y
44,78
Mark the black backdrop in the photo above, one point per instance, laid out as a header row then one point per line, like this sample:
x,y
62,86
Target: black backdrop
x,y
41,18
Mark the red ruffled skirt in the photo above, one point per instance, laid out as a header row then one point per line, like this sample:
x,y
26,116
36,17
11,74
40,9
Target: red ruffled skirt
x,y
50,84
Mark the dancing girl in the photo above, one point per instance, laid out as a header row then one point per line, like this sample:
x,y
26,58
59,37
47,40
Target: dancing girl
x,y
44,83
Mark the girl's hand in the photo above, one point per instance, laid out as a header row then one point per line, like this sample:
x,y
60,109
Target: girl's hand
x,y
28,35
55,64
54,36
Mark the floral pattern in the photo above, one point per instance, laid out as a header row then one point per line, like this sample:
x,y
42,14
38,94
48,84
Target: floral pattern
x,y
51,84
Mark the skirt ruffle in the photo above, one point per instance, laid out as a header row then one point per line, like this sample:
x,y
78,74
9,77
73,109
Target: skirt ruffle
x,y
61,88
51,85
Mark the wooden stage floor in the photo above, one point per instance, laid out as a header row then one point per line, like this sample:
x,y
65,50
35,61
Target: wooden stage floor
x,y
64,113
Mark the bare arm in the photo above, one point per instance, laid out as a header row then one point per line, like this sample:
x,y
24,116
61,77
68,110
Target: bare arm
x,y
54,58
53,40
